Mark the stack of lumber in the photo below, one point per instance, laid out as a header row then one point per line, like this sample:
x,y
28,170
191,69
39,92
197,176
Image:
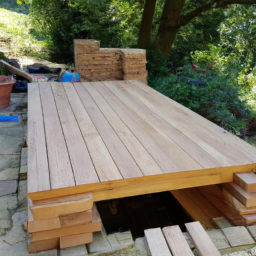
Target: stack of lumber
x,y
97,64
229,200
134,64
62,222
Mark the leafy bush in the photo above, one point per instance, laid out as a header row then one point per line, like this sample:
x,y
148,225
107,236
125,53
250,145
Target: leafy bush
x,y
212,96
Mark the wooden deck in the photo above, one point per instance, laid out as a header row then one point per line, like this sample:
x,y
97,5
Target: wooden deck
x,y
122,138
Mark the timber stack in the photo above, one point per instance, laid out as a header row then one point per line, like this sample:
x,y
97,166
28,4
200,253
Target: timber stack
x,y
134,64
236,201
108,64
62,222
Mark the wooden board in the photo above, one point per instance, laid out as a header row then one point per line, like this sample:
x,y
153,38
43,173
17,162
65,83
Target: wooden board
x,y
121,139
156,242
203,243
248,199
176,241
246,181
71,241
51,208
44,245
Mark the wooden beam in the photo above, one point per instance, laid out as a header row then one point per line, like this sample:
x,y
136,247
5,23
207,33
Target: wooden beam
x,y
70,241
51,208
203,243
246,181
248,199
176,241
149,184
43,245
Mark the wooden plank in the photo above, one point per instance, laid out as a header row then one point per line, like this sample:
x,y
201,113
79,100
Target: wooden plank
x,y
248,199
61,174
52,208
181,120
246,181
146,163
222,222
237,204
159,145
245,150
44,245
203,243
81,162
200,155
238,236
250,219
195,209
124,161
70,241
38,178
215,196
156,242
67,231
176,241
102,160
74,219
149,184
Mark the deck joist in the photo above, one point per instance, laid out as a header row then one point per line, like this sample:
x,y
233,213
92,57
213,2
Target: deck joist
x,y
122,138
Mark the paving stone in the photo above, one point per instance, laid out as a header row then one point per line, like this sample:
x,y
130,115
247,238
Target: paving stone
x,y
24,157
16,235
11,124
238,236
99,243
8,202
218,239
11,140
8,187
253,251
3,243
9,167
252,231
241,253
141,247
22,193
19,218
2,233
5,219
189,240
79,250
117,239
21,249
9,174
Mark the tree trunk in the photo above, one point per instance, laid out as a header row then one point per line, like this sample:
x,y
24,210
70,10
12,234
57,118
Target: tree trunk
x,y
169,26
144,39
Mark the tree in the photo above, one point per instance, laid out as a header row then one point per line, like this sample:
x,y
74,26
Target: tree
x,y
175,15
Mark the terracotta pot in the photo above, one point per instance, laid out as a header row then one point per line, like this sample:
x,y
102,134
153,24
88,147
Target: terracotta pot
x,y
6,83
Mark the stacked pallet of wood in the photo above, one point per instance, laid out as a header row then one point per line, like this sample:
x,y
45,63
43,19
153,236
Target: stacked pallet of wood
x,y
97,64
134,64
236,201
62,222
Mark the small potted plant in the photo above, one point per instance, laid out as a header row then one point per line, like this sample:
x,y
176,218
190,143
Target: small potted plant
x,y
6,83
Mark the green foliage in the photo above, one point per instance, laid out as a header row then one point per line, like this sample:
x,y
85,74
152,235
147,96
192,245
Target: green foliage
x,y
23,33
12,5
212,96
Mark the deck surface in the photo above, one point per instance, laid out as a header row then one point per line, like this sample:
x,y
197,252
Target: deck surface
x,y
123,138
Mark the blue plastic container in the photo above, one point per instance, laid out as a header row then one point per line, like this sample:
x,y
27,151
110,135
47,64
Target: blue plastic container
x,y
70,77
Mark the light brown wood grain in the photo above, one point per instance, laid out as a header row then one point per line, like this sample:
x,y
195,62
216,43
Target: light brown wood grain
x,y
81,162
156,242
103,162
55,208
146,163
203,243
247,199
74,219
123,159
43,245
61,174
38,178
176,241
246,181
71,241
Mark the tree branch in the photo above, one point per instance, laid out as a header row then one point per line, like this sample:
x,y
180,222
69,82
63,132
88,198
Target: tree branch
x,y
184,19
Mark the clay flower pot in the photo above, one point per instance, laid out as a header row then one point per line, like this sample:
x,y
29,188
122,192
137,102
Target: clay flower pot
x,y
6,83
